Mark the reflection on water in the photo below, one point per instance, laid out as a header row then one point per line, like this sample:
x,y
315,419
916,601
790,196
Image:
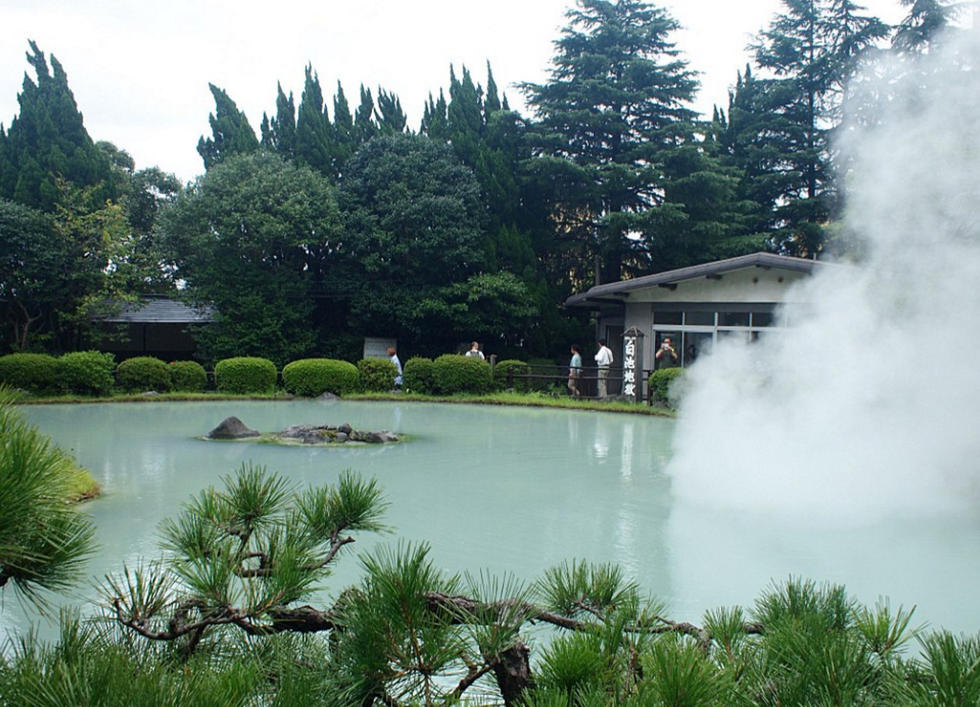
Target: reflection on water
x,y
510,490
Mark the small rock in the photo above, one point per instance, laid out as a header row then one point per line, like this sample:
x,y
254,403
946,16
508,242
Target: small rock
x,y
232,428
345,428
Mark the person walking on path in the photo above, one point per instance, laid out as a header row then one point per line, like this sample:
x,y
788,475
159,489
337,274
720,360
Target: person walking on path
x,y
603,359
393,357
575,371
475,351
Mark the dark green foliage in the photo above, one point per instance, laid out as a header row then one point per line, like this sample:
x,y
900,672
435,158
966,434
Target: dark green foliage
x,y
245,374
461,374
31,257
35,373
926,20
143,373
413,216
419,375
255,237
188,376
87,372
230,132
377,374
612,112
813,47
662,389
47,141
315,376
44,541
503,372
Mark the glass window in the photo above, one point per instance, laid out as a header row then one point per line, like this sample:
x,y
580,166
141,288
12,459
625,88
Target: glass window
x,y
761,318
733,318
699,318
695,344
667,318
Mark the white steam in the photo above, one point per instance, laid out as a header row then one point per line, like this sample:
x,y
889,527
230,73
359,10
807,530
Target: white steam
x,y
870,405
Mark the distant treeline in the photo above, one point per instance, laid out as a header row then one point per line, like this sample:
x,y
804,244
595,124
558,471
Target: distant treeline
x,y
336,222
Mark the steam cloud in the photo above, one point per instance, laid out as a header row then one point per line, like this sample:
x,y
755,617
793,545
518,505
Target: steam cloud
x,y
870,404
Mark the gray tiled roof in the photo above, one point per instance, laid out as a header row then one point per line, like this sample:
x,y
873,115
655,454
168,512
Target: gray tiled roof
x,y
162,310
717,267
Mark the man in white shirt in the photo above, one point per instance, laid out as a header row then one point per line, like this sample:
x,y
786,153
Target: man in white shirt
x,y
603,359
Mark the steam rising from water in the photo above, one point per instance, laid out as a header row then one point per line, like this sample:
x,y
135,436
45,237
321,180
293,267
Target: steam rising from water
x,y
871,405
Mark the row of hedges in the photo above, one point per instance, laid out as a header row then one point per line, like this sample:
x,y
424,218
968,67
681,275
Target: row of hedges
x,y
94,373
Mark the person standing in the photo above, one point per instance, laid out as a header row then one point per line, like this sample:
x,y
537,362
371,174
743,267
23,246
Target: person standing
x,y
666,356
575,371
393,357
475,351
603,359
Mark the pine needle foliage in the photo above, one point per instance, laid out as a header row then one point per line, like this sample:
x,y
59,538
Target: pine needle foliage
x,y
44,540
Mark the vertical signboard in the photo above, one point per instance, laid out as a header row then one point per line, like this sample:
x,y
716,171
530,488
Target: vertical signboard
x,y
633,364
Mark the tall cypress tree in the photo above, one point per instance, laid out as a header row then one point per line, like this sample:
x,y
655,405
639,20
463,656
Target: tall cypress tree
x,y
279,134
314,146
230,132
48,141
616,103
364,124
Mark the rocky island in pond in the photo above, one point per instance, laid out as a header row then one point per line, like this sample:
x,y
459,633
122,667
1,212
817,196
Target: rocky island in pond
x,y
232,428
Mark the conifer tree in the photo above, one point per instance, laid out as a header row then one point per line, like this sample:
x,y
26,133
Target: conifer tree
x,y
313,129
391,118
279,134
230,132
48,140
812,48
616,103
364,125
924,21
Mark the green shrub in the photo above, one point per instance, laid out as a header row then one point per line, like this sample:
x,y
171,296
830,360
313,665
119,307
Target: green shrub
x,y
245,374
508,367
315,376
36,373
462,374
419,375
188,376
143,373
87,372
377,374
661,384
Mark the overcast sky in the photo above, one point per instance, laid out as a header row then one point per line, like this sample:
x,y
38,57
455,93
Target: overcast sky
x,y
140,70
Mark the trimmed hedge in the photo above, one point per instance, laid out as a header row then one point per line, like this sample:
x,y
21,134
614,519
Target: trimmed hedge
x,y
661,382
461,374
35,373
377,374
507,367
143,373
87,372
419,375
245,374
315,376
188,376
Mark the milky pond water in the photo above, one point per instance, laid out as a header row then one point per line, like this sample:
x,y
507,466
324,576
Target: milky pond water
x,y
509,490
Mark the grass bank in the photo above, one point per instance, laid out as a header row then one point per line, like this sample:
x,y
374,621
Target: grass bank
x,y
543,400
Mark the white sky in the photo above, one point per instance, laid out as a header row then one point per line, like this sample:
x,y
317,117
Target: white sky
x,y
140,70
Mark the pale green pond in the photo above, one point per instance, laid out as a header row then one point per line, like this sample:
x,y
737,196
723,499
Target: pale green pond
x,y
509,490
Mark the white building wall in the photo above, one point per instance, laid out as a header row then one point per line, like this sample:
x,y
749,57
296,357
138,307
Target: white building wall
x,y
749,285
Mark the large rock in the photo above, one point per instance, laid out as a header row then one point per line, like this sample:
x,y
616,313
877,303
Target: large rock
x,y
232,428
